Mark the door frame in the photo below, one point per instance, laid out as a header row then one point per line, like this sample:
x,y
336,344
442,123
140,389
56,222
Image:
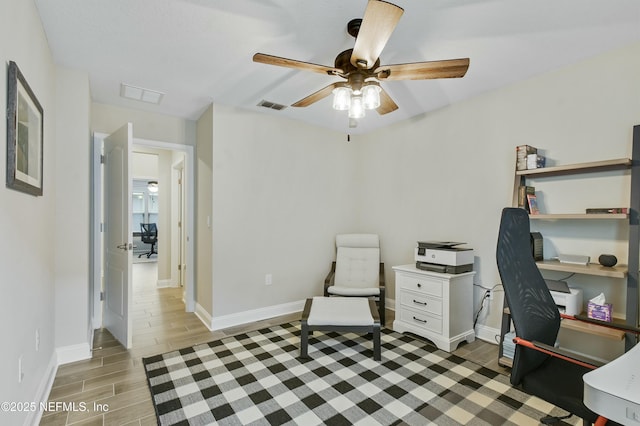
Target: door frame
x,y
96,216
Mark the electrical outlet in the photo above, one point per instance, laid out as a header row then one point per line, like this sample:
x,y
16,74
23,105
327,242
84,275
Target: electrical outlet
x,y
268,279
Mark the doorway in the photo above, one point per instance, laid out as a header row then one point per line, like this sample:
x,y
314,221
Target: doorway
x,y
177,178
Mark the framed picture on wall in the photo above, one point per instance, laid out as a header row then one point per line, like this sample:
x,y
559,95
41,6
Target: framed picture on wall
x,y
24,135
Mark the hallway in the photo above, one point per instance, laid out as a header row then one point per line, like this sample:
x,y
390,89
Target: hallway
x,y
114,376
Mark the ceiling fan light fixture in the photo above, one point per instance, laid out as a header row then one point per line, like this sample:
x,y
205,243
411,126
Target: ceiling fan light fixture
x,y
371,96
341,98
357,107
152,186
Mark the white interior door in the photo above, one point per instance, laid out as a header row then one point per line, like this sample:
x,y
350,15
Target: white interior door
x,y
118,238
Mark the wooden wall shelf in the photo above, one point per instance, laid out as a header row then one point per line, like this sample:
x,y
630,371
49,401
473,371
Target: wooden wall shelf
x,y
580,216
629,272
618,271
569,169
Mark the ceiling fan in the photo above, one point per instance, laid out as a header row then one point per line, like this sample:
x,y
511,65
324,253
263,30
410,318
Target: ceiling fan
x,y
361,68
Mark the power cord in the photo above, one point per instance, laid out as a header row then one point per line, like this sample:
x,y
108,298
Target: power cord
x,y
486,295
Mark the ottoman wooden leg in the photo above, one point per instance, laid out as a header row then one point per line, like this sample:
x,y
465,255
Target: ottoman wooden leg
x,y
304,332
304,340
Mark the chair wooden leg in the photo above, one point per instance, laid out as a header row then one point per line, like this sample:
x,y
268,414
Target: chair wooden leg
x,y
376,342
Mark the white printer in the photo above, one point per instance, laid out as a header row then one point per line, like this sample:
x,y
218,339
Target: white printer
x,y
568,299
443,256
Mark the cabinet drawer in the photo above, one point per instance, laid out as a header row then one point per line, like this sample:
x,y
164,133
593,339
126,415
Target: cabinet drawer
x,y
421,302
421,319
424,285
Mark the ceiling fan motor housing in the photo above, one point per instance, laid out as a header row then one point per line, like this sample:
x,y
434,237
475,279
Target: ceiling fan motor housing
x,y
343,62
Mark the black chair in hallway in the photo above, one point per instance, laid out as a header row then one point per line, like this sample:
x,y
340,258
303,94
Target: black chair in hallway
x,y
149,236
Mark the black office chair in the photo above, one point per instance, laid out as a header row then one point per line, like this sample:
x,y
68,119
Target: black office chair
x,y
149,236
553,375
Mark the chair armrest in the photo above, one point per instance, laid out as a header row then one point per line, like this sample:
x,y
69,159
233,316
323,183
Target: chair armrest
x,y
615,325
381,280
328,281
559,353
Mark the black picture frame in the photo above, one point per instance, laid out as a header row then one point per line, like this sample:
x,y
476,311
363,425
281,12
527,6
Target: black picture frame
x,y
25,141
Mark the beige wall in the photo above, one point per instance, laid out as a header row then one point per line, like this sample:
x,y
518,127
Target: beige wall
x,y
71,238
146,125
281,191
27,223
45,240
203,232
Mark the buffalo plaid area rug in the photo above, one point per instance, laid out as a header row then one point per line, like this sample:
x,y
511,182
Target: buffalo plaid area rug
x,y
257,378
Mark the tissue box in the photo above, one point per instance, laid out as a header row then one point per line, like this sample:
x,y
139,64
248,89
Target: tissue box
x,y
599,312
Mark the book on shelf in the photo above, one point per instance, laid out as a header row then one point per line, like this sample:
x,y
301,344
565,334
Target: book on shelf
x,y
532,202
608,210
522,196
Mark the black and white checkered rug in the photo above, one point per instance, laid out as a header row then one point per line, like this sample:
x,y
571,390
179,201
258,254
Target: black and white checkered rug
x,y
257,379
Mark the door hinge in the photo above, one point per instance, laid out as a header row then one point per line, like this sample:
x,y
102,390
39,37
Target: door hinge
x,y
179,267
101,296
179,224
102,159
101,226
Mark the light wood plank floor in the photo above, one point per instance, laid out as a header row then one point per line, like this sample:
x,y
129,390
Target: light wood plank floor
x,y
112,384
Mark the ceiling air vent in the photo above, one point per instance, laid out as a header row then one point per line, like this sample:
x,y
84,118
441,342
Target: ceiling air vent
x,y
140,94
271,105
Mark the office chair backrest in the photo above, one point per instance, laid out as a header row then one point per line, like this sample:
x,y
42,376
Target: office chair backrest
x,y
534,313
149,232
357,260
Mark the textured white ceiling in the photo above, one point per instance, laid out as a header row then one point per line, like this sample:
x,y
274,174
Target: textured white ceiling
x,y
200,51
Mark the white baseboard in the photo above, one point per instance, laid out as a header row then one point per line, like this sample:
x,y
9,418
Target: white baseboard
x,y
488,334
245,317
226,321
204,316
166,283
73,353
390,304
44,389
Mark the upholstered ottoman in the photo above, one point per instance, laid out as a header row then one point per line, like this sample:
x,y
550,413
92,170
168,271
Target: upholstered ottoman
x,y
340,314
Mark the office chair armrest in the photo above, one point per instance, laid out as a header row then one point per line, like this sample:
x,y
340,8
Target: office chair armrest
x,y
615,325
559,353
329,280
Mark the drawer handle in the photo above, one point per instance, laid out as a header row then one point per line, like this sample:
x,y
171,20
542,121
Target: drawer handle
x,y
421,320
417,302
419,285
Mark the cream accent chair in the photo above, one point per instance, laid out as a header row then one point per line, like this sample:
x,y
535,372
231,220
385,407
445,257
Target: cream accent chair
x,y
357,271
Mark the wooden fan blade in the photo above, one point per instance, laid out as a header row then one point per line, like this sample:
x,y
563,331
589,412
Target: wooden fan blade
x,y
315,97
451,68
379,21
387,104
292,63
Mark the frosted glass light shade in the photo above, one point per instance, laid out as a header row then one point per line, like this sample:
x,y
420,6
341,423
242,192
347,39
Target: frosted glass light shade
x,y
357,107
341,98
371,96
